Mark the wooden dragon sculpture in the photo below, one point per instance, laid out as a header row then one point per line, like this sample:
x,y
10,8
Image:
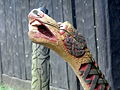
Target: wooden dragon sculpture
x,y
70,45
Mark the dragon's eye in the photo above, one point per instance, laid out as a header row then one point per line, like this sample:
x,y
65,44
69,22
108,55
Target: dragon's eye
x,y
63,27
61,32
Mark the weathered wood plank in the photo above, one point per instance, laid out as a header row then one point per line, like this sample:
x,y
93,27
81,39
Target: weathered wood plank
x,y
102,30
79,6
11,32
8,38
26,41
3,38
15,57
0,65
49,7
21,53
57,10
89,32
34,4
58,66
58,71
100,34
2,33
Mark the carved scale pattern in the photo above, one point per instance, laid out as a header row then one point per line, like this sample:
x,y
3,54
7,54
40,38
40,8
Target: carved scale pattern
x,y
75,44
93,77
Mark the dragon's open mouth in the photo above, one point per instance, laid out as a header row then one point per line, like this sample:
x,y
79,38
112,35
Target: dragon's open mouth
x,y
44,30
41,29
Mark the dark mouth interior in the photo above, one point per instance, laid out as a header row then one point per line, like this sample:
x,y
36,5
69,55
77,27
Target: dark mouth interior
x,y
44,30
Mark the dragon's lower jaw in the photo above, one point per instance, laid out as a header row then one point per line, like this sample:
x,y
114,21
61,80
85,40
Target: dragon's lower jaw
x,y
39,37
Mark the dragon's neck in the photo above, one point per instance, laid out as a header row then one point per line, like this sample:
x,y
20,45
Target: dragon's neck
x,y
89,75
70,45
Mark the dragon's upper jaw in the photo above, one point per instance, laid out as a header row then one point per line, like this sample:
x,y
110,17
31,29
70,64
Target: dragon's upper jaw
x,y
40,29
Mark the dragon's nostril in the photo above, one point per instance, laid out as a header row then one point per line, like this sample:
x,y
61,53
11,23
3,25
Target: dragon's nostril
x,y
38,13
35,12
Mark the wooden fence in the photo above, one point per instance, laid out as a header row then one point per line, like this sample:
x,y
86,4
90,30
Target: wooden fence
x,y
90,17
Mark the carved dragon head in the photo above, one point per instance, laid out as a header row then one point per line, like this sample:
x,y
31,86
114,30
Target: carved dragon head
x,y
61,37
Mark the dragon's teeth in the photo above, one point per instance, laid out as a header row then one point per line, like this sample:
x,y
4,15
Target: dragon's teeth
x,y
36,23
35,30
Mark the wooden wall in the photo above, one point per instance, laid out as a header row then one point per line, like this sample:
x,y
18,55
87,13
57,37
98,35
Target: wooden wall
x,y
114,12
90,17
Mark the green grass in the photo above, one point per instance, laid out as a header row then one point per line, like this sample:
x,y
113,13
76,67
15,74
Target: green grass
x,y
3,87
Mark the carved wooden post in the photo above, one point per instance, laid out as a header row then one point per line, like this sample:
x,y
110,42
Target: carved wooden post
x,y
40,65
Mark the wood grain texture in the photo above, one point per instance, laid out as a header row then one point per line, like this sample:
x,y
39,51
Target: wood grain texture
x,y
9,28
27,43
4,39
89,27
16,64
1,38
0,65
21,53
102,35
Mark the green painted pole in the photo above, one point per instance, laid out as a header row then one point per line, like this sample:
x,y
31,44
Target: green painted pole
x,y
40,66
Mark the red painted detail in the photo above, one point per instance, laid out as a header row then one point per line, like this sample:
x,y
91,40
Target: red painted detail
x,y
90,77
39,35
98,87
83,67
